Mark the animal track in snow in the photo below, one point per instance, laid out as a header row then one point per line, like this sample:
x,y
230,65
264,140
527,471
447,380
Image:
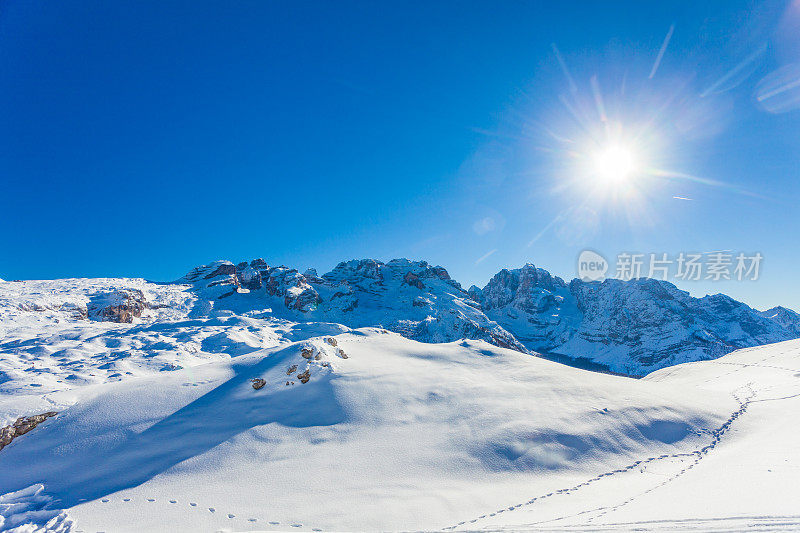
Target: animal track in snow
x,y
696,454
213,510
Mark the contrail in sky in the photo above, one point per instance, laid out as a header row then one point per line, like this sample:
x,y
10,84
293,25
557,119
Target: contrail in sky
x,y
485,256
661,52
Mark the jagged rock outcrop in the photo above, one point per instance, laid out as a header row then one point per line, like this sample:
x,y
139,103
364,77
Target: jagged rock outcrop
x,y
23,425
122,305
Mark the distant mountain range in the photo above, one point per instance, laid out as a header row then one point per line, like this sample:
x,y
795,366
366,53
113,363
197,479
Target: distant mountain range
x,y
629,327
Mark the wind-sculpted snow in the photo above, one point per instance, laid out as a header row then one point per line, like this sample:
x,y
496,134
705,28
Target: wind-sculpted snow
x,y
29,510
632,327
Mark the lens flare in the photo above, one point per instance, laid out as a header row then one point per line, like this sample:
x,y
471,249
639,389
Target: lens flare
x,y
614,163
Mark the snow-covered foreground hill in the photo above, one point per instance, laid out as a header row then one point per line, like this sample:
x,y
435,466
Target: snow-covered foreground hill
x,y
159,428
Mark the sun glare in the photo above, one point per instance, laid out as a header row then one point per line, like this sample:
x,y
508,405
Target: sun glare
x,y
614,163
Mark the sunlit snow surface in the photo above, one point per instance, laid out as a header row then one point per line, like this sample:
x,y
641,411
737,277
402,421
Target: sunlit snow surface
x,y
160,429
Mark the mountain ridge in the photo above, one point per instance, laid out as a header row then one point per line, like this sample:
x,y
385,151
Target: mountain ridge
x,y
631,327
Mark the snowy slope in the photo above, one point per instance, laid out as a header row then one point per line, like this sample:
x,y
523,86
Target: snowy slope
x,y
743,478
393,434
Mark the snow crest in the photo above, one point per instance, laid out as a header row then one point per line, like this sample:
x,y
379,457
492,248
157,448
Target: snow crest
x,y
29,510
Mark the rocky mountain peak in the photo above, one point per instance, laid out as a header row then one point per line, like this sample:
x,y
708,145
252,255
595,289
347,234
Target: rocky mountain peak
x,y
786,318
522,287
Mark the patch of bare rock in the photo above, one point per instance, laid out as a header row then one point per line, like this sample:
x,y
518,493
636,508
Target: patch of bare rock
x,y
23,425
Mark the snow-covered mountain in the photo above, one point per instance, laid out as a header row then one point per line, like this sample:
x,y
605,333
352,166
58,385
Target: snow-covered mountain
x,y
632,327
415,299
786,318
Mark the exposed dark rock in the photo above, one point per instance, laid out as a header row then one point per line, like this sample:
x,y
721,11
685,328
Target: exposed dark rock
x,y
440,272
305,376
122,306
419,301
222,270
23,425
258,383
412,279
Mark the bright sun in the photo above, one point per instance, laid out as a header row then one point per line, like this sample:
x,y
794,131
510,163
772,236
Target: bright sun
x,y
614,163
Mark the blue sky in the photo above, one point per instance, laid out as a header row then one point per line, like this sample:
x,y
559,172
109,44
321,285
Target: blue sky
x,y
144,138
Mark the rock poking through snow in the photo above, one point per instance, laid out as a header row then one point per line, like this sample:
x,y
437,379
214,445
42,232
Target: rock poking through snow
x,y
121,306
23,425
258,383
